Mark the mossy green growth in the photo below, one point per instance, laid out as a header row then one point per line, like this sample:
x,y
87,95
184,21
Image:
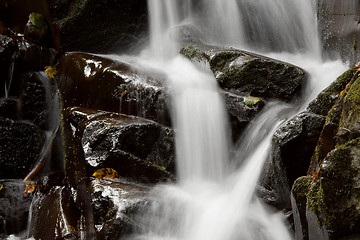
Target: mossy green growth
x,y
350,116
193,53
37,19
251,101
334,197
328,97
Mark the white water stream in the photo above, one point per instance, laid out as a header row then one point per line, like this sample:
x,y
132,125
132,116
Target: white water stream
x,y
213,200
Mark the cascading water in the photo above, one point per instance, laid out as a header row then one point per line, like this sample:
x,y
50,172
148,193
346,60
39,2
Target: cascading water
x,y
212,199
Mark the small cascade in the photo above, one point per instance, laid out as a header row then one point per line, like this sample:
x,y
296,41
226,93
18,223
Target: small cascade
x,y
216,198
53,120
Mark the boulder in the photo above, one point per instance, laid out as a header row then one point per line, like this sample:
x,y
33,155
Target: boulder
x,y
101,83
293,144
62,216
252,74
136,148
20,145
115,205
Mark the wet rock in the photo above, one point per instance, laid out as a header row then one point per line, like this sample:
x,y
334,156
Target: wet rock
x,y
349,125
136,148
17,57
20,145
14,207
93,26
61,214
298,203
101,83
292,147
255,75
242,109
342,119
333,194
115,204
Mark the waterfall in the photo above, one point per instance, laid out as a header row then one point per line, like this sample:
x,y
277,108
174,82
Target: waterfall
x,y
213,200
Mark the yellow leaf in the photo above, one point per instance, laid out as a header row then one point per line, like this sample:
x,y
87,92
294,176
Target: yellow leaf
x,y
30,187
105,173
1,187
342,92
50,71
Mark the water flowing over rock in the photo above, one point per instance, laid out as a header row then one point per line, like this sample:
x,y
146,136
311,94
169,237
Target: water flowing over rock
x,y
14,207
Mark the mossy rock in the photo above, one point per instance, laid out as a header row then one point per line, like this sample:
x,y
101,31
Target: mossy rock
x,y
37,20
328,97
349,125
255,75
334,193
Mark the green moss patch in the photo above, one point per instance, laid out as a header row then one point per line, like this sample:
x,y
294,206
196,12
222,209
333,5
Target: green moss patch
x,y
37,19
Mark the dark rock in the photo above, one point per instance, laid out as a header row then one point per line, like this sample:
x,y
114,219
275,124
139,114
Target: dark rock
x,y
17,57
10,108
61,214
298,203
37,30
34,99
8,52
20,145
242,109
93,26
136,148
115,204
14,207
292,147
101,83
257,76
252,74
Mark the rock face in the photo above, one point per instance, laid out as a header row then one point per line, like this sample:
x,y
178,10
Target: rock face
x,y
330,192
339,30
93,26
